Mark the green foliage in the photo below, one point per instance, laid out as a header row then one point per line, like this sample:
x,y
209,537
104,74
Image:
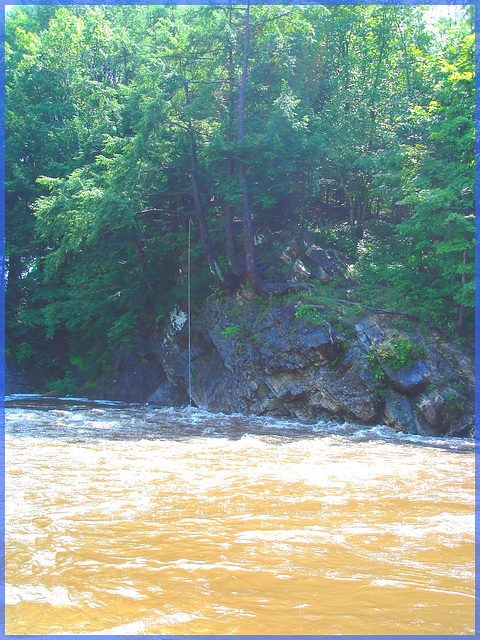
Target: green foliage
x,y
233,331
65,386
440,178
309,315
339,236
454,401
357,120
334,364
24,352
398,353
378,372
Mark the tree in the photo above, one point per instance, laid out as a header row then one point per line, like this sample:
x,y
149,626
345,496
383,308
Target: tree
x,y
124,123
440,173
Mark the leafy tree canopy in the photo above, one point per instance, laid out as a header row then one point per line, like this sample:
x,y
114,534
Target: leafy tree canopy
x,y
125,124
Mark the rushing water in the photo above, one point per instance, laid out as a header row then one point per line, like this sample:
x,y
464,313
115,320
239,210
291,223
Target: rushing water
x,y
139,520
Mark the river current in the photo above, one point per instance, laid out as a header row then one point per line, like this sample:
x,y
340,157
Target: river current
x,y
131,519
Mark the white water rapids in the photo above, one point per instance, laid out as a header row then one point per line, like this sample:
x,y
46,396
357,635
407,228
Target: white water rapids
x,y
130,519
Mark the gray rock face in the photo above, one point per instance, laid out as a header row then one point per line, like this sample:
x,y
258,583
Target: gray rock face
x,y
168,394
16,380
299,272
291,251
432,406
134,374
440,411
322,259
400,415
322,275
268,360
369,333
273,357
410,380
464,426
256,357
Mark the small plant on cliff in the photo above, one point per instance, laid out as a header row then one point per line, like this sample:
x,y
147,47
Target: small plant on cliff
x,y
307,314
378,372
398,353
233,331
454,401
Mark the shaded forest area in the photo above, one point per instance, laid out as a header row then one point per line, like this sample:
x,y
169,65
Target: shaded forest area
x,y
126,124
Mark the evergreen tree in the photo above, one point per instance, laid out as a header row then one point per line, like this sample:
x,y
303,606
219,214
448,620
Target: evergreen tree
x,y
124,123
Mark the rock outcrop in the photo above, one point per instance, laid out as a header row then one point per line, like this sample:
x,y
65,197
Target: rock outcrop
x,y
20,380
290,357
259,357
136,375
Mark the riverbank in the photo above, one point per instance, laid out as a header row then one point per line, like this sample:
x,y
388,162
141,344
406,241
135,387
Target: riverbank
x,y
317,352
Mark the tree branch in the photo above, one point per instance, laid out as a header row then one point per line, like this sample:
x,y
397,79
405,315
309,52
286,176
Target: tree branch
x,y
148,211
262,23
409,316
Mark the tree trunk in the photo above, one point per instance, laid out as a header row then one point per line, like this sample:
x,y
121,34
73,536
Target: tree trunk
x,y
251,265
229,211
229,235
202,223
351,208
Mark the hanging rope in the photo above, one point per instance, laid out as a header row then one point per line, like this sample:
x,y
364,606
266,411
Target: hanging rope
x,y
189,317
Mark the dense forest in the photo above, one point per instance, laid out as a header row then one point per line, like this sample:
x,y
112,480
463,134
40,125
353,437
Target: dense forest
x,y
129,127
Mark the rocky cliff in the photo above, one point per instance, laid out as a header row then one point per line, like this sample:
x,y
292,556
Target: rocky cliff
x,y
289,359
303,356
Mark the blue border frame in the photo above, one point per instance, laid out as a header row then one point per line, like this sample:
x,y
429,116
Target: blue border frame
x,y
477,311
2,296
2,317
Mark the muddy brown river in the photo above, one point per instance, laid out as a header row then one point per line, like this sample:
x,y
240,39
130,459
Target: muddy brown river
x,y
130,519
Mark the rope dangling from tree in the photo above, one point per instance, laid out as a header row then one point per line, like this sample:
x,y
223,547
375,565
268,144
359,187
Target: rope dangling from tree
x,y
189,311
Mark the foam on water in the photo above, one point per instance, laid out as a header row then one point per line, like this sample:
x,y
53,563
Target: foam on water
x,y
56,597
30,415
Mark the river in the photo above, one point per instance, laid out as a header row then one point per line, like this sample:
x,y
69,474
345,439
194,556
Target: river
x,y
132,519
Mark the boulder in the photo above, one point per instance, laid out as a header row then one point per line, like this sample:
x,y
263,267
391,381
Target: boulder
x,y
463,427
432,406
323,260
353,386
299,272
134,374
410,380
291,252
167,394
322,275
440,411
399,414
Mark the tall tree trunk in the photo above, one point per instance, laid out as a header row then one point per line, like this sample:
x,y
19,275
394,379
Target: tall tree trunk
x,y
200,218
251,265
229,234
229,211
